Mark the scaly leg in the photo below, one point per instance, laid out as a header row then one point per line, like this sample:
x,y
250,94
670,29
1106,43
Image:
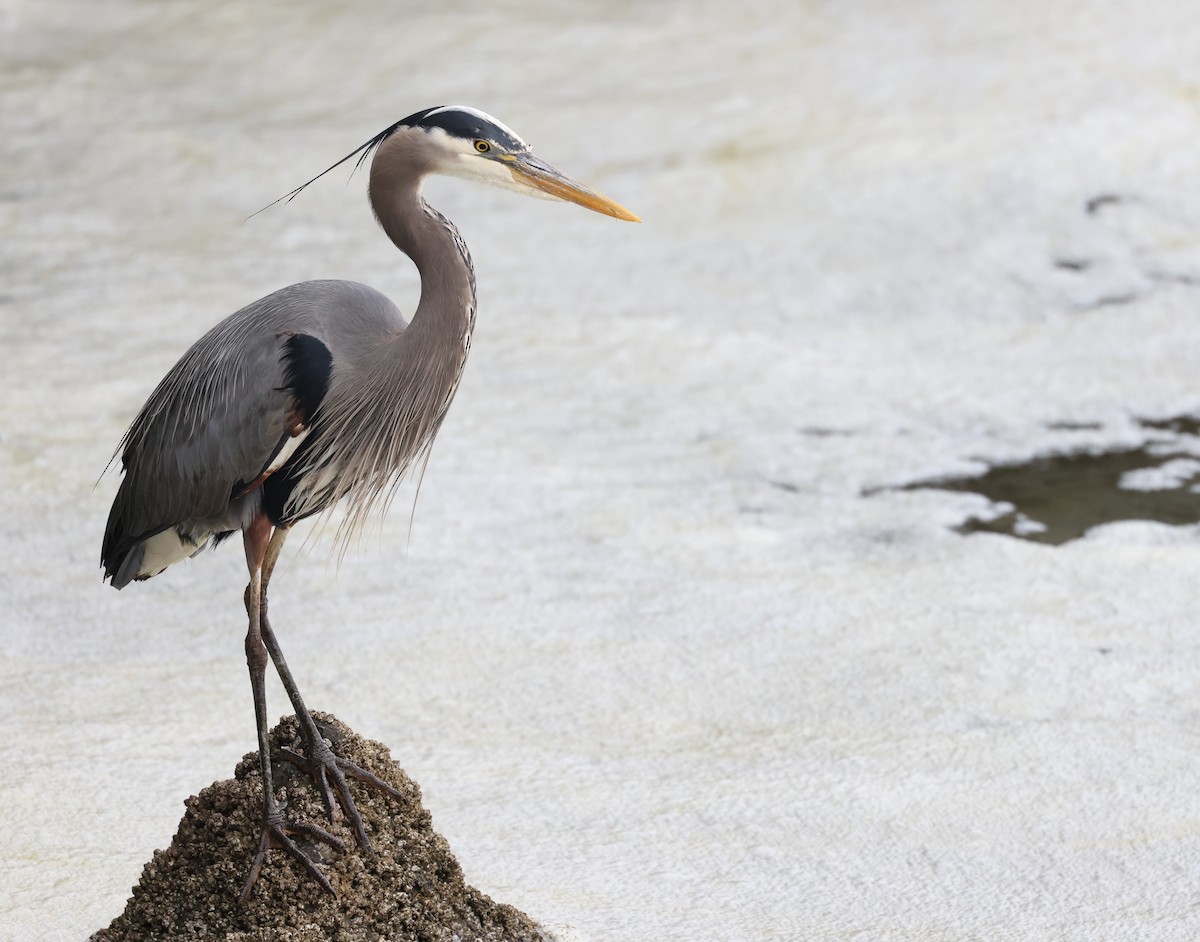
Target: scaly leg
x,y
328,771
277,830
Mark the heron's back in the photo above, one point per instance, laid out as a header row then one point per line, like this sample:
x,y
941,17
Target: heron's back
x,y
218,417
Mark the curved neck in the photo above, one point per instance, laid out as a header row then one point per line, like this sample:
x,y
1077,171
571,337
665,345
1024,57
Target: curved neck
x,y
394,397
435,247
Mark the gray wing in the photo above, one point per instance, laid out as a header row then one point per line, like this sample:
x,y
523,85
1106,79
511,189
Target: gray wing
x,y
215,423
218,418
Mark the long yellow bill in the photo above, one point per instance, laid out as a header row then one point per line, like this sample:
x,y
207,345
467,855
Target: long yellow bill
x,y
539,174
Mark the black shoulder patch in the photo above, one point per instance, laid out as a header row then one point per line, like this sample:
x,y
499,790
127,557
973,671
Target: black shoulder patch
x,y
307,366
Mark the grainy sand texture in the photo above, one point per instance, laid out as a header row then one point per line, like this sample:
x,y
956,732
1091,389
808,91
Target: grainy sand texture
x,y
411,890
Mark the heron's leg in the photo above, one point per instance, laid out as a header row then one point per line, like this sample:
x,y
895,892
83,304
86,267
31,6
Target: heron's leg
x,y
329,771
271,557
277,830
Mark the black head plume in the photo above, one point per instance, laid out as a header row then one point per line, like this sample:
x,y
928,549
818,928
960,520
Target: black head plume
x,y
362,152
467,124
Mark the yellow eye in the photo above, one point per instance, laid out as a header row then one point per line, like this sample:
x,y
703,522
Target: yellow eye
x,y
482,146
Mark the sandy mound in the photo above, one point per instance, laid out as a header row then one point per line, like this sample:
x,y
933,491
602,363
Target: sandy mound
x,y
413,890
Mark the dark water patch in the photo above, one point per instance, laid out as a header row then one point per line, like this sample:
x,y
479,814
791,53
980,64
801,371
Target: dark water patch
x,y
1174,278
821,431
1097,203
1074,426
1115,300
1058,498
1180,425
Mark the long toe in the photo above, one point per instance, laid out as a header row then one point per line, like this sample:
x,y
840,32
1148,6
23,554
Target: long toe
x,y
329,773
277,834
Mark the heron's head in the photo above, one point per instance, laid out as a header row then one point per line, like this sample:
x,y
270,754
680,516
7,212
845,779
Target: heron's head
x,y
465,142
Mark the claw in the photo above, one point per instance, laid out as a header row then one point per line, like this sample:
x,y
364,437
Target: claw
x,y
329,773
277,833
318,773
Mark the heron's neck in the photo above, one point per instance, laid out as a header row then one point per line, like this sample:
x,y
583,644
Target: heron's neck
x,y
447,304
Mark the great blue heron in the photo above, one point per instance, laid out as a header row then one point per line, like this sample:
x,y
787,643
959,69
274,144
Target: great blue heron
x,y
318,393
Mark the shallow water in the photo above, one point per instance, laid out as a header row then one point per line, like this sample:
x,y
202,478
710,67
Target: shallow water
x,y
1060,497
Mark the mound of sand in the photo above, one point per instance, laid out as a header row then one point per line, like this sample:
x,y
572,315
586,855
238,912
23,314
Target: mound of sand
x,y
412,890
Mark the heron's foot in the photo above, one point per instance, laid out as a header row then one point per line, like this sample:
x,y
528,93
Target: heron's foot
x,y
329,773
277,833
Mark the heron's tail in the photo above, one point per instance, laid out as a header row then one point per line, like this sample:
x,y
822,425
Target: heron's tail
x,y
123,571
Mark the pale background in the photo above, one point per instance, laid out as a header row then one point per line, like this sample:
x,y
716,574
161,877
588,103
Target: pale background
x,y
660,667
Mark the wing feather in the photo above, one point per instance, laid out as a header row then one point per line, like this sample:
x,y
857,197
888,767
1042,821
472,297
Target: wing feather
x,y
241,397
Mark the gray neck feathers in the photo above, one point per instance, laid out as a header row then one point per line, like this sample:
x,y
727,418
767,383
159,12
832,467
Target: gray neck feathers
x,y
379,421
